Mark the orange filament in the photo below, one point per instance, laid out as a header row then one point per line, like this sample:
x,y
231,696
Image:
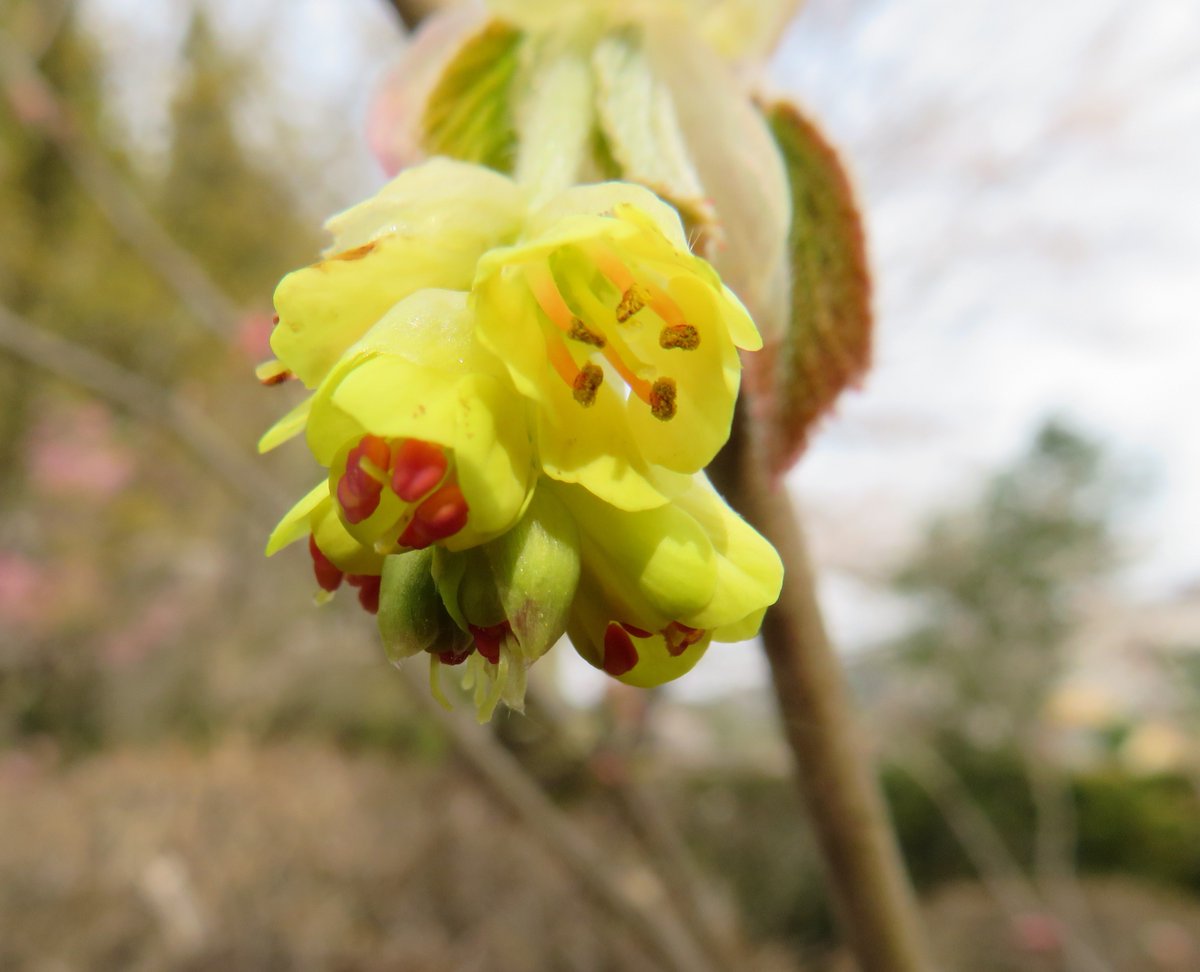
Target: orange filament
x,y
633,291
550,300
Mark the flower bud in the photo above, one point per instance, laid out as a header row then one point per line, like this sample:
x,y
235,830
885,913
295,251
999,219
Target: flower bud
x,y
412,617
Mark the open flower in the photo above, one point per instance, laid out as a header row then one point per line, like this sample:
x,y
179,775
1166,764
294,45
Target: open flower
x,y
626,343
658,586
511,416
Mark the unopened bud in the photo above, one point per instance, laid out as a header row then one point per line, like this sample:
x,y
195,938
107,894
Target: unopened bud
x,y
412,617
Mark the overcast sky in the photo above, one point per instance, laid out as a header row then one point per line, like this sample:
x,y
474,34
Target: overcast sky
x,y
1030,176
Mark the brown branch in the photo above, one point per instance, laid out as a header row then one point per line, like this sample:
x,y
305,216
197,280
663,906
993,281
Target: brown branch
x,y
39,107
496,768
858,848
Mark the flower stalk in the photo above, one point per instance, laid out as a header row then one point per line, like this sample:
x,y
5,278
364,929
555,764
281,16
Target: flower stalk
x,y
863,869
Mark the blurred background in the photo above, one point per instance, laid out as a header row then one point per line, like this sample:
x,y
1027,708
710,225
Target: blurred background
x,y
199,769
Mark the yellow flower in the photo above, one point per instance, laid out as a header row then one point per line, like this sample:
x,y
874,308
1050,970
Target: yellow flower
x,y
625,342
423,439
658,586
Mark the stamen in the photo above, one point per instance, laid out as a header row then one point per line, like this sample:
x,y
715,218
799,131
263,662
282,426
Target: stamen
x,y
680,637
374,456
619,653
586,384
273,372
633,300
488,640
329,577
662,399
442,515
633,290
546,293
356,503
358,491
368,590
581,332
417,468
355,254
683,336
452,657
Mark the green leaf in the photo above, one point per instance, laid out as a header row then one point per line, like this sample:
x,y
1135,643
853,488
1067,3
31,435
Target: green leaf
x,y
826,345
468,115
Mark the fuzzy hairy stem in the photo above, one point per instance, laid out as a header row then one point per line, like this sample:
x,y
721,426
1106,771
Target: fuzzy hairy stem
x,y
862,863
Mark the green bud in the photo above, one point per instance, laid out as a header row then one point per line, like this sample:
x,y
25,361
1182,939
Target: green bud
x,y
536,570
412,618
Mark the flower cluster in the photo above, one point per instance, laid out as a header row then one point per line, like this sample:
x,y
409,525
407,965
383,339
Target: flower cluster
x,y
514,401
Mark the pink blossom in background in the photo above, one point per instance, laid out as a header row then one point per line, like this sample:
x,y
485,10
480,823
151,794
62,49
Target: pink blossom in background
x,y
25,589
74,451
159,622
254,336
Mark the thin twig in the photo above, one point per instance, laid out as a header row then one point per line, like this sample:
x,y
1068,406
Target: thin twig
x,y
496,768
39,107
858,847
994,865
133,393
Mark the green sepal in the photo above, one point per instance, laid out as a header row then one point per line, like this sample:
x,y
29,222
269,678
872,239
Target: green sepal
x,y
412,618
535,566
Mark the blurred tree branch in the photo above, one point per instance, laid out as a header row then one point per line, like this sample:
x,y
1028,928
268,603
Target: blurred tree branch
x,y
145,400
496,768
994,864
37,105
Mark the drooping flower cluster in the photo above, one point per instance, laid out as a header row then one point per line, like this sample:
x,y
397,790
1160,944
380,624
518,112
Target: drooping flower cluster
x,y
514,402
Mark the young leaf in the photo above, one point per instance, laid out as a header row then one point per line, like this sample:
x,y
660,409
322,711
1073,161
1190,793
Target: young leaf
x,y
468,115
826,345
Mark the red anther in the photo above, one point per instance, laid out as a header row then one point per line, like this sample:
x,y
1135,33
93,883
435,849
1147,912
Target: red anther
x,y
417,469
680,637
636,632
328,576
442,515
275,319
350,497
357,491
372,448
488,640
619,654
452,657
368,590
278,378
